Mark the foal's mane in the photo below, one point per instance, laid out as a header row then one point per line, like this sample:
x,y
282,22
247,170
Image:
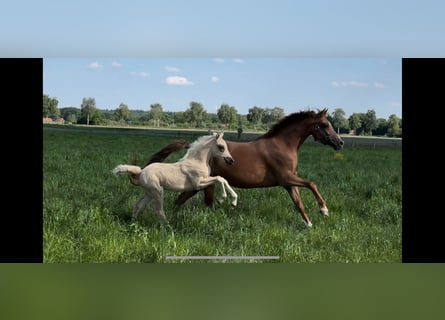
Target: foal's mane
x,y
197,144
290,120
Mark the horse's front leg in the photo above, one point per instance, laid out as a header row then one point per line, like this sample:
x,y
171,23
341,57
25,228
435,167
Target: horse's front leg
x,y
184,196
205,182
295,196
293,180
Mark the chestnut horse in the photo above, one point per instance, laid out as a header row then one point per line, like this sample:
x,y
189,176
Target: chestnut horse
x,y
272,159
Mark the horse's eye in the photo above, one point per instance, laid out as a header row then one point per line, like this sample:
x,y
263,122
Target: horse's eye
x,y
221,148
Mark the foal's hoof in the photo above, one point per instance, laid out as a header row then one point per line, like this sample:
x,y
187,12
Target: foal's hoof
x,y
309,224
324,212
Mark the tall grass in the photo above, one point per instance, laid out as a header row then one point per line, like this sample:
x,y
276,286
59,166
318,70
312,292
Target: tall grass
x,y
87,210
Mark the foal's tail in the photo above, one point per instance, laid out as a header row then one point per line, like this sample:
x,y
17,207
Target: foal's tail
x,y
134,172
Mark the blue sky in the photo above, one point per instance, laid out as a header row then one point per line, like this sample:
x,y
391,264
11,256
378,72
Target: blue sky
x,y
103,31
294,84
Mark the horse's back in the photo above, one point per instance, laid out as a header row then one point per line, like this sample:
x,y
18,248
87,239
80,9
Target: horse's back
x,y
250,169
168,176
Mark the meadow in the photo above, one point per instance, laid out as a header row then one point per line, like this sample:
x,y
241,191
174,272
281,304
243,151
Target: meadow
x,y
87,210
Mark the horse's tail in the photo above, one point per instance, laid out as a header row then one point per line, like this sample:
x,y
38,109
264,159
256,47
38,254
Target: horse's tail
x,y
162,154
134,172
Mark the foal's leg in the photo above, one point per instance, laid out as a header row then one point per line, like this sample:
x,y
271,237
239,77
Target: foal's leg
x,y
139,205
158,203
295,196
205,182
294,180
231,191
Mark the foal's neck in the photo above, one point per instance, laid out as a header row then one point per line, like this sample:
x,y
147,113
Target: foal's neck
x,y
201,153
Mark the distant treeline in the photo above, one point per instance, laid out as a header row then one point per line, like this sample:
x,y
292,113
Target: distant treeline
x,y
226,117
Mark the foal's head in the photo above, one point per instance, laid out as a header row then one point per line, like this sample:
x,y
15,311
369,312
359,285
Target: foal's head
x,y
219,149
323,131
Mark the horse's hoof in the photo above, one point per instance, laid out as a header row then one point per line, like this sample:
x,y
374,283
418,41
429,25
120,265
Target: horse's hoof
x,y
324,212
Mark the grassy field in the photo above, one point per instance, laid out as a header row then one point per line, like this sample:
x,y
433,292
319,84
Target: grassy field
x,y
87,210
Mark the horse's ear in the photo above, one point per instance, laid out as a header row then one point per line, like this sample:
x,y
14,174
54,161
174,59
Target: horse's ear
x,y
324,111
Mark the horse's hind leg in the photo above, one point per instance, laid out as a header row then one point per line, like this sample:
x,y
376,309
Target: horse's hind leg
x,y
139,205
295,196
209,196
184,196
158,203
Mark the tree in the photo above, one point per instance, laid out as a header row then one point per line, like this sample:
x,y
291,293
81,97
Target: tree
x,y
156,113
227,114
355,122
255,115
50,106
370,122
179,117
394,126
70,114
88,108
122,112
339,120
272,115
381,128
195,114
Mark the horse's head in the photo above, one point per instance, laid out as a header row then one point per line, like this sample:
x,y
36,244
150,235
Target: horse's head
x,y
221,149
323,132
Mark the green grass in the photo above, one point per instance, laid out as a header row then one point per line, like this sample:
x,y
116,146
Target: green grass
x,y
87,210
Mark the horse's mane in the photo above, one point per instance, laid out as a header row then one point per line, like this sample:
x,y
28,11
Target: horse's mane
x,y
196,144
289,120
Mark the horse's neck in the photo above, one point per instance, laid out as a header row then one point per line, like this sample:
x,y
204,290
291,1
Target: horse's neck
x,y
294,136
201,153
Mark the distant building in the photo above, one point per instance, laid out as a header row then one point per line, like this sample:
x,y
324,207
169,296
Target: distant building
x,y
58,120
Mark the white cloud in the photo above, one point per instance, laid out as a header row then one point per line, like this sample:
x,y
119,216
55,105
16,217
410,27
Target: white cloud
x,y
379,85
356,84
115,64
214,79
95,66
178,81
237,60
139,74
171,69
218,60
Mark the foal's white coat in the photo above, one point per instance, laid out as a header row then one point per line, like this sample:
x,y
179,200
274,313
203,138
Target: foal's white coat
x,y
192,172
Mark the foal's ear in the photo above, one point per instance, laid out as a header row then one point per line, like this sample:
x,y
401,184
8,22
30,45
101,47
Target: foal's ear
x,y
219,135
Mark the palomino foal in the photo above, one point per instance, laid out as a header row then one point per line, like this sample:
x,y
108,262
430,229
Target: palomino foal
x,y
192,172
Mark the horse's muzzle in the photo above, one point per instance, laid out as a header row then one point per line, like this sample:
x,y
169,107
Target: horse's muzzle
x,y
336,142
229,160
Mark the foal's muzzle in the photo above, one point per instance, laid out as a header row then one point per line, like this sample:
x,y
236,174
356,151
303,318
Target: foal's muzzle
x,y
229,160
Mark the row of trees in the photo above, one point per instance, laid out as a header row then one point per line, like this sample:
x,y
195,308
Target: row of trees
x,y
226,117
